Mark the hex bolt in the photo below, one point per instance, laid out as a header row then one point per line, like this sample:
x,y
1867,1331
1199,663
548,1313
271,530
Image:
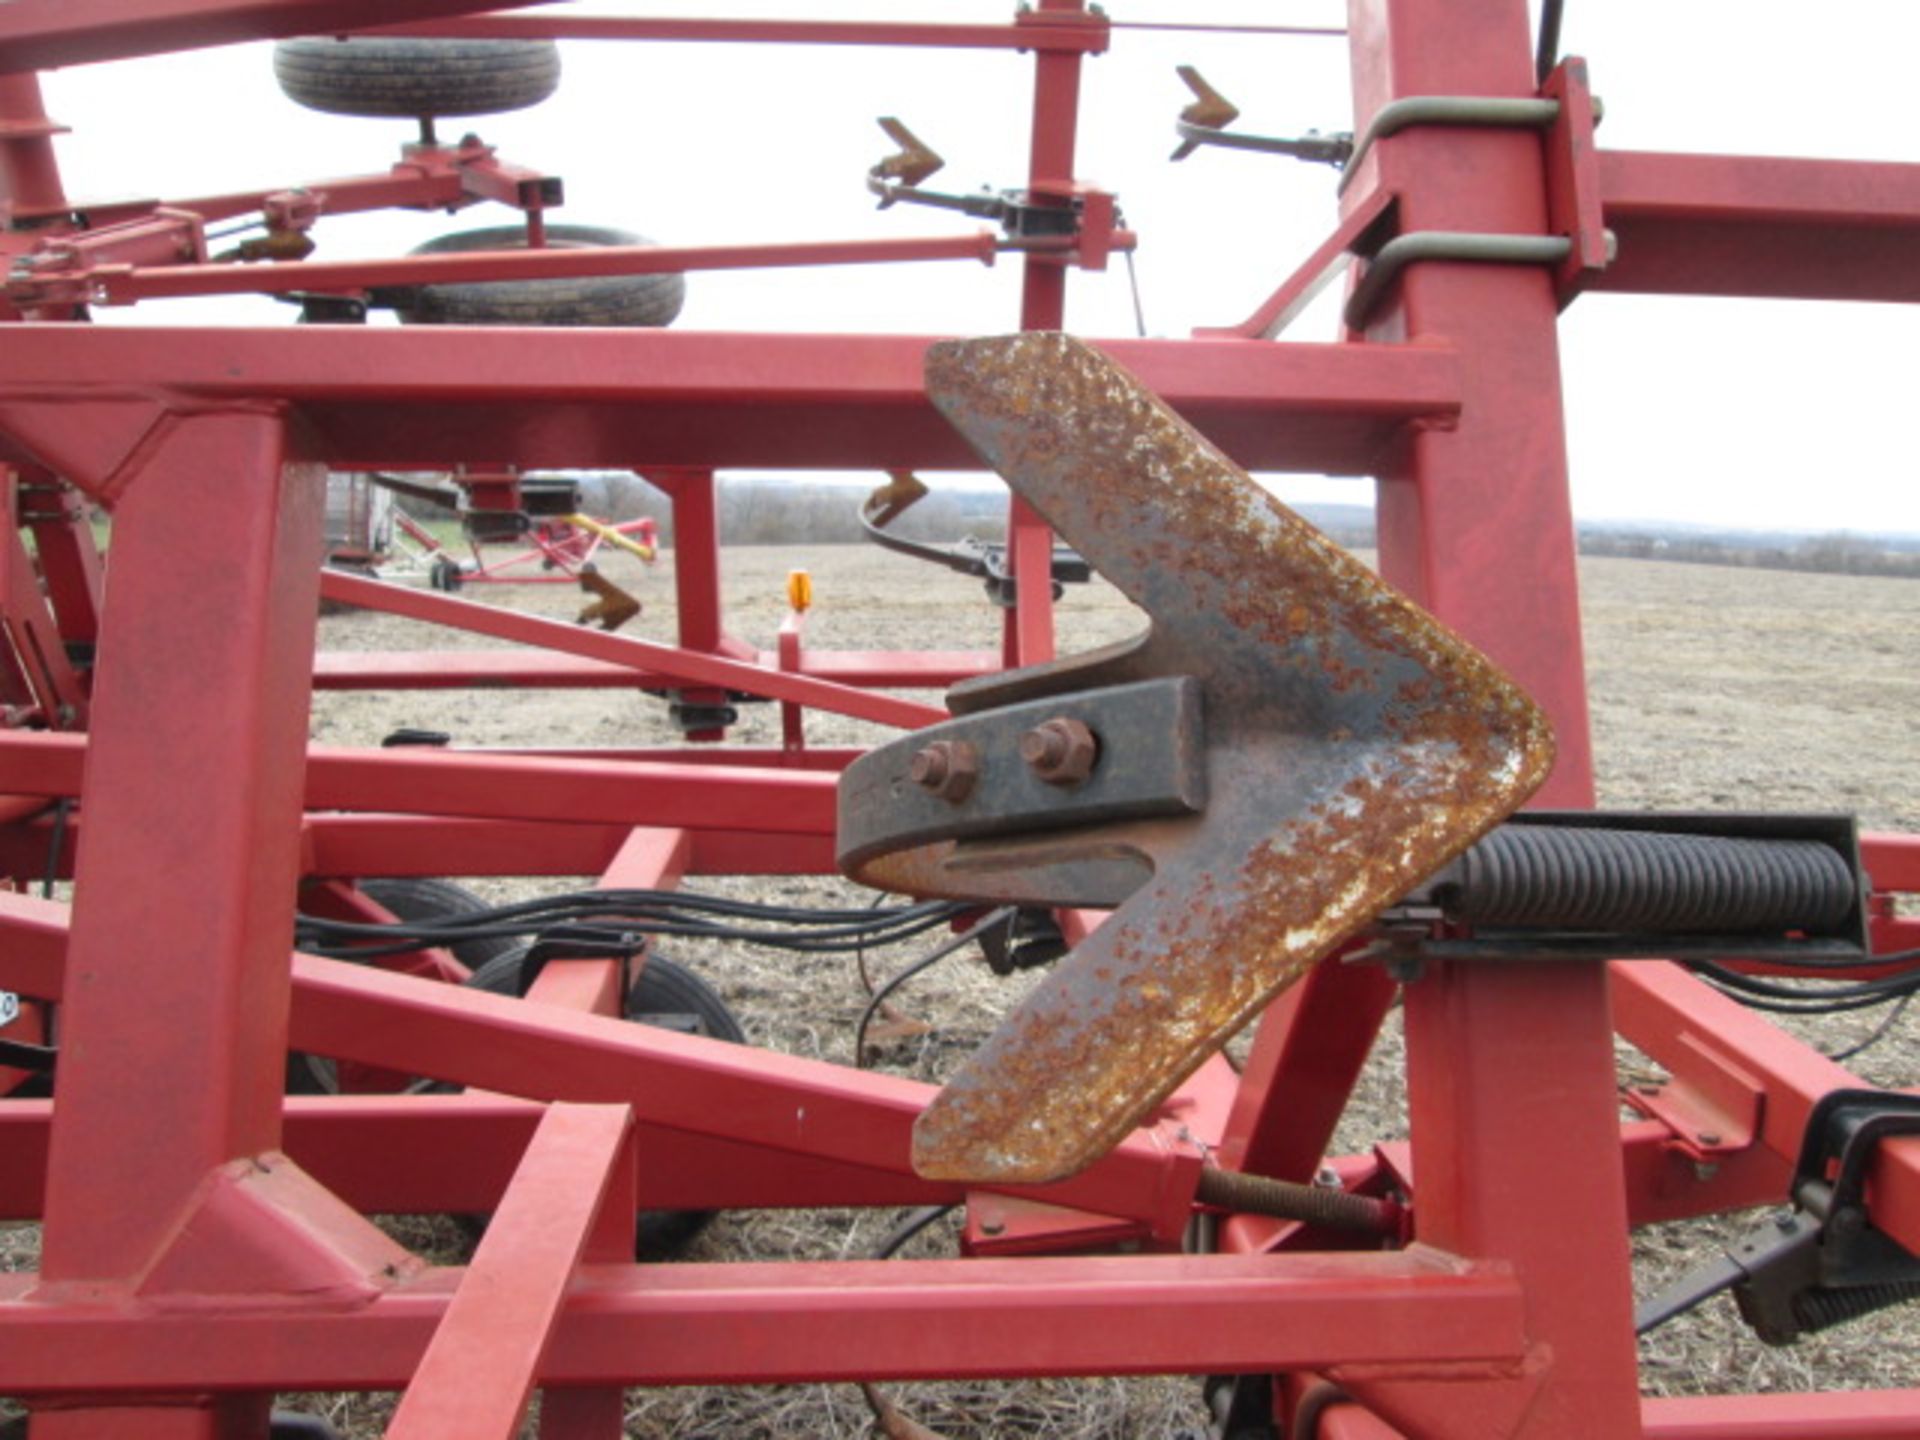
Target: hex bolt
x,y
1060,751
949,768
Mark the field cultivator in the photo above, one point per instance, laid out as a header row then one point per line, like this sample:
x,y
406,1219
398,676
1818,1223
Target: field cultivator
x,y
1294,802
539,519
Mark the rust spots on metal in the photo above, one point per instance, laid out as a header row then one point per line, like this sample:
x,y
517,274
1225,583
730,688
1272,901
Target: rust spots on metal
x,y
1060,751
948,768
1353,746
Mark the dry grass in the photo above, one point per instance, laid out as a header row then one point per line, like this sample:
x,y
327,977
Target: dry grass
x,y
1711,689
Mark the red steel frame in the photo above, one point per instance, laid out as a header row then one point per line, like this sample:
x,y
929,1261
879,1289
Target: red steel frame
x,y
204,1244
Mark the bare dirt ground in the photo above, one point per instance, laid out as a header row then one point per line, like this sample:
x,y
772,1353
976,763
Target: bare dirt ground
x,y
1712,688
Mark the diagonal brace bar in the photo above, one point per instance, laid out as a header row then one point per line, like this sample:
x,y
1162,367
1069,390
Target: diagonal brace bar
x,y
479,1369
666,661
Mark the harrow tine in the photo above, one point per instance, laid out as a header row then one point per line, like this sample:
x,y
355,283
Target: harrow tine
x,y
1289,748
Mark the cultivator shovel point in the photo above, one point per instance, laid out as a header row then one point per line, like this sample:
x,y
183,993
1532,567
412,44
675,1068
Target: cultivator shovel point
x,y
1288,748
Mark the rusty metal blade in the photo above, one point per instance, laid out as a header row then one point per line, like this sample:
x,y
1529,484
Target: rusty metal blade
x,y
1352,746
914,162
1210,108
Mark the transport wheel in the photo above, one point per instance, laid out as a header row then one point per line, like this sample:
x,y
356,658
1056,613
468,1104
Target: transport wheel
x,y
648,300
669,995
414,900
446,575
374,75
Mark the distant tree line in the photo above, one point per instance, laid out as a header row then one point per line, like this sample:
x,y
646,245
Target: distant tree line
x,y
787,511
1840,553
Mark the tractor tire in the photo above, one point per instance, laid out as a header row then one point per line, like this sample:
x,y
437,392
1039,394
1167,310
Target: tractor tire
x,y
394,76
665,989
414,900
644,300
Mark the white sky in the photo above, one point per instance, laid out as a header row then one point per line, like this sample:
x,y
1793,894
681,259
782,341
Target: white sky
x,y
1782,414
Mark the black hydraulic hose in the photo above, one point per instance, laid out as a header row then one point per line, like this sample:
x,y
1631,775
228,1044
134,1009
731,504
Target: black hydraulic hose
x,y
925,962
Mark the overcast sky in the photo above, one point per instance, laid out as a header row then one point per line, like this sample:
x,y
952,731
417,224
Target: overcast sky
x,y
1783,414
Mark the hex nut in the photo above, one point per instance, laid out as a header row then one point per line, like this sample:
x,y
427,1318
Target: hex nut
x,y
1060,751
949,768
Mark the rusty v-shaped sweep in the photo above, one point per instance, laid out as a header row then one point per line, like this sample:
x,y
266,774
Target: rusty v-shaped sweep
x,y
1289,748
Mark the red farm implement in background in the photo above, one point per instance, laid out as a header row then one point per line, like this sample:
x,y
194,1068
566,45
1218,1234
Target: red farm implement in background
x,y
1292,801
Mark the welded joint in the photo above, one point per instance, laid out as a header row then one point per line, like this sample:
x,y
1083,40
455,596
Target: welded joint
x,y
1186,1160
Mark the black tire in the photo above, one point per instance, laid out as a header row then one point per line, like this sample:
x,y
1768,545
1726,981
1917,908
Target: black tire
x,y
446,575
413,899
667,993
297,1425
644,300
416,899
393,76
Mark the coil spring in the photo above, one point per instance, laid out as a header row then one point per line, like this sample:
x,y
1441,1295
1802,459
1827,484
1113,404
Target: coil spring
x,y
1568,877
1290,1200
1822,1309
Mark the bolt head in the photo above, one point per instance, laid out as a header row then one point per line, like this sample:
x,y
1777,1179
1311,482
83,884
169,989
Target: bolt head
x,y
929,767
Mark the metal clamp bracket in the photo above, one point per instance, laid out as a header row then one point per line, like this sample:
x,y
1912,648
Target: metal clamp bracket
x,y
1482,112
1078,223
1384,267
1821,1263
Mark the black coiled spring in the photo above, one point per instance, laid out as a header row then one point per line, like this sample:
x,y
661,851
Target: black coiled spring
x,y
1822,1309
1573,878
